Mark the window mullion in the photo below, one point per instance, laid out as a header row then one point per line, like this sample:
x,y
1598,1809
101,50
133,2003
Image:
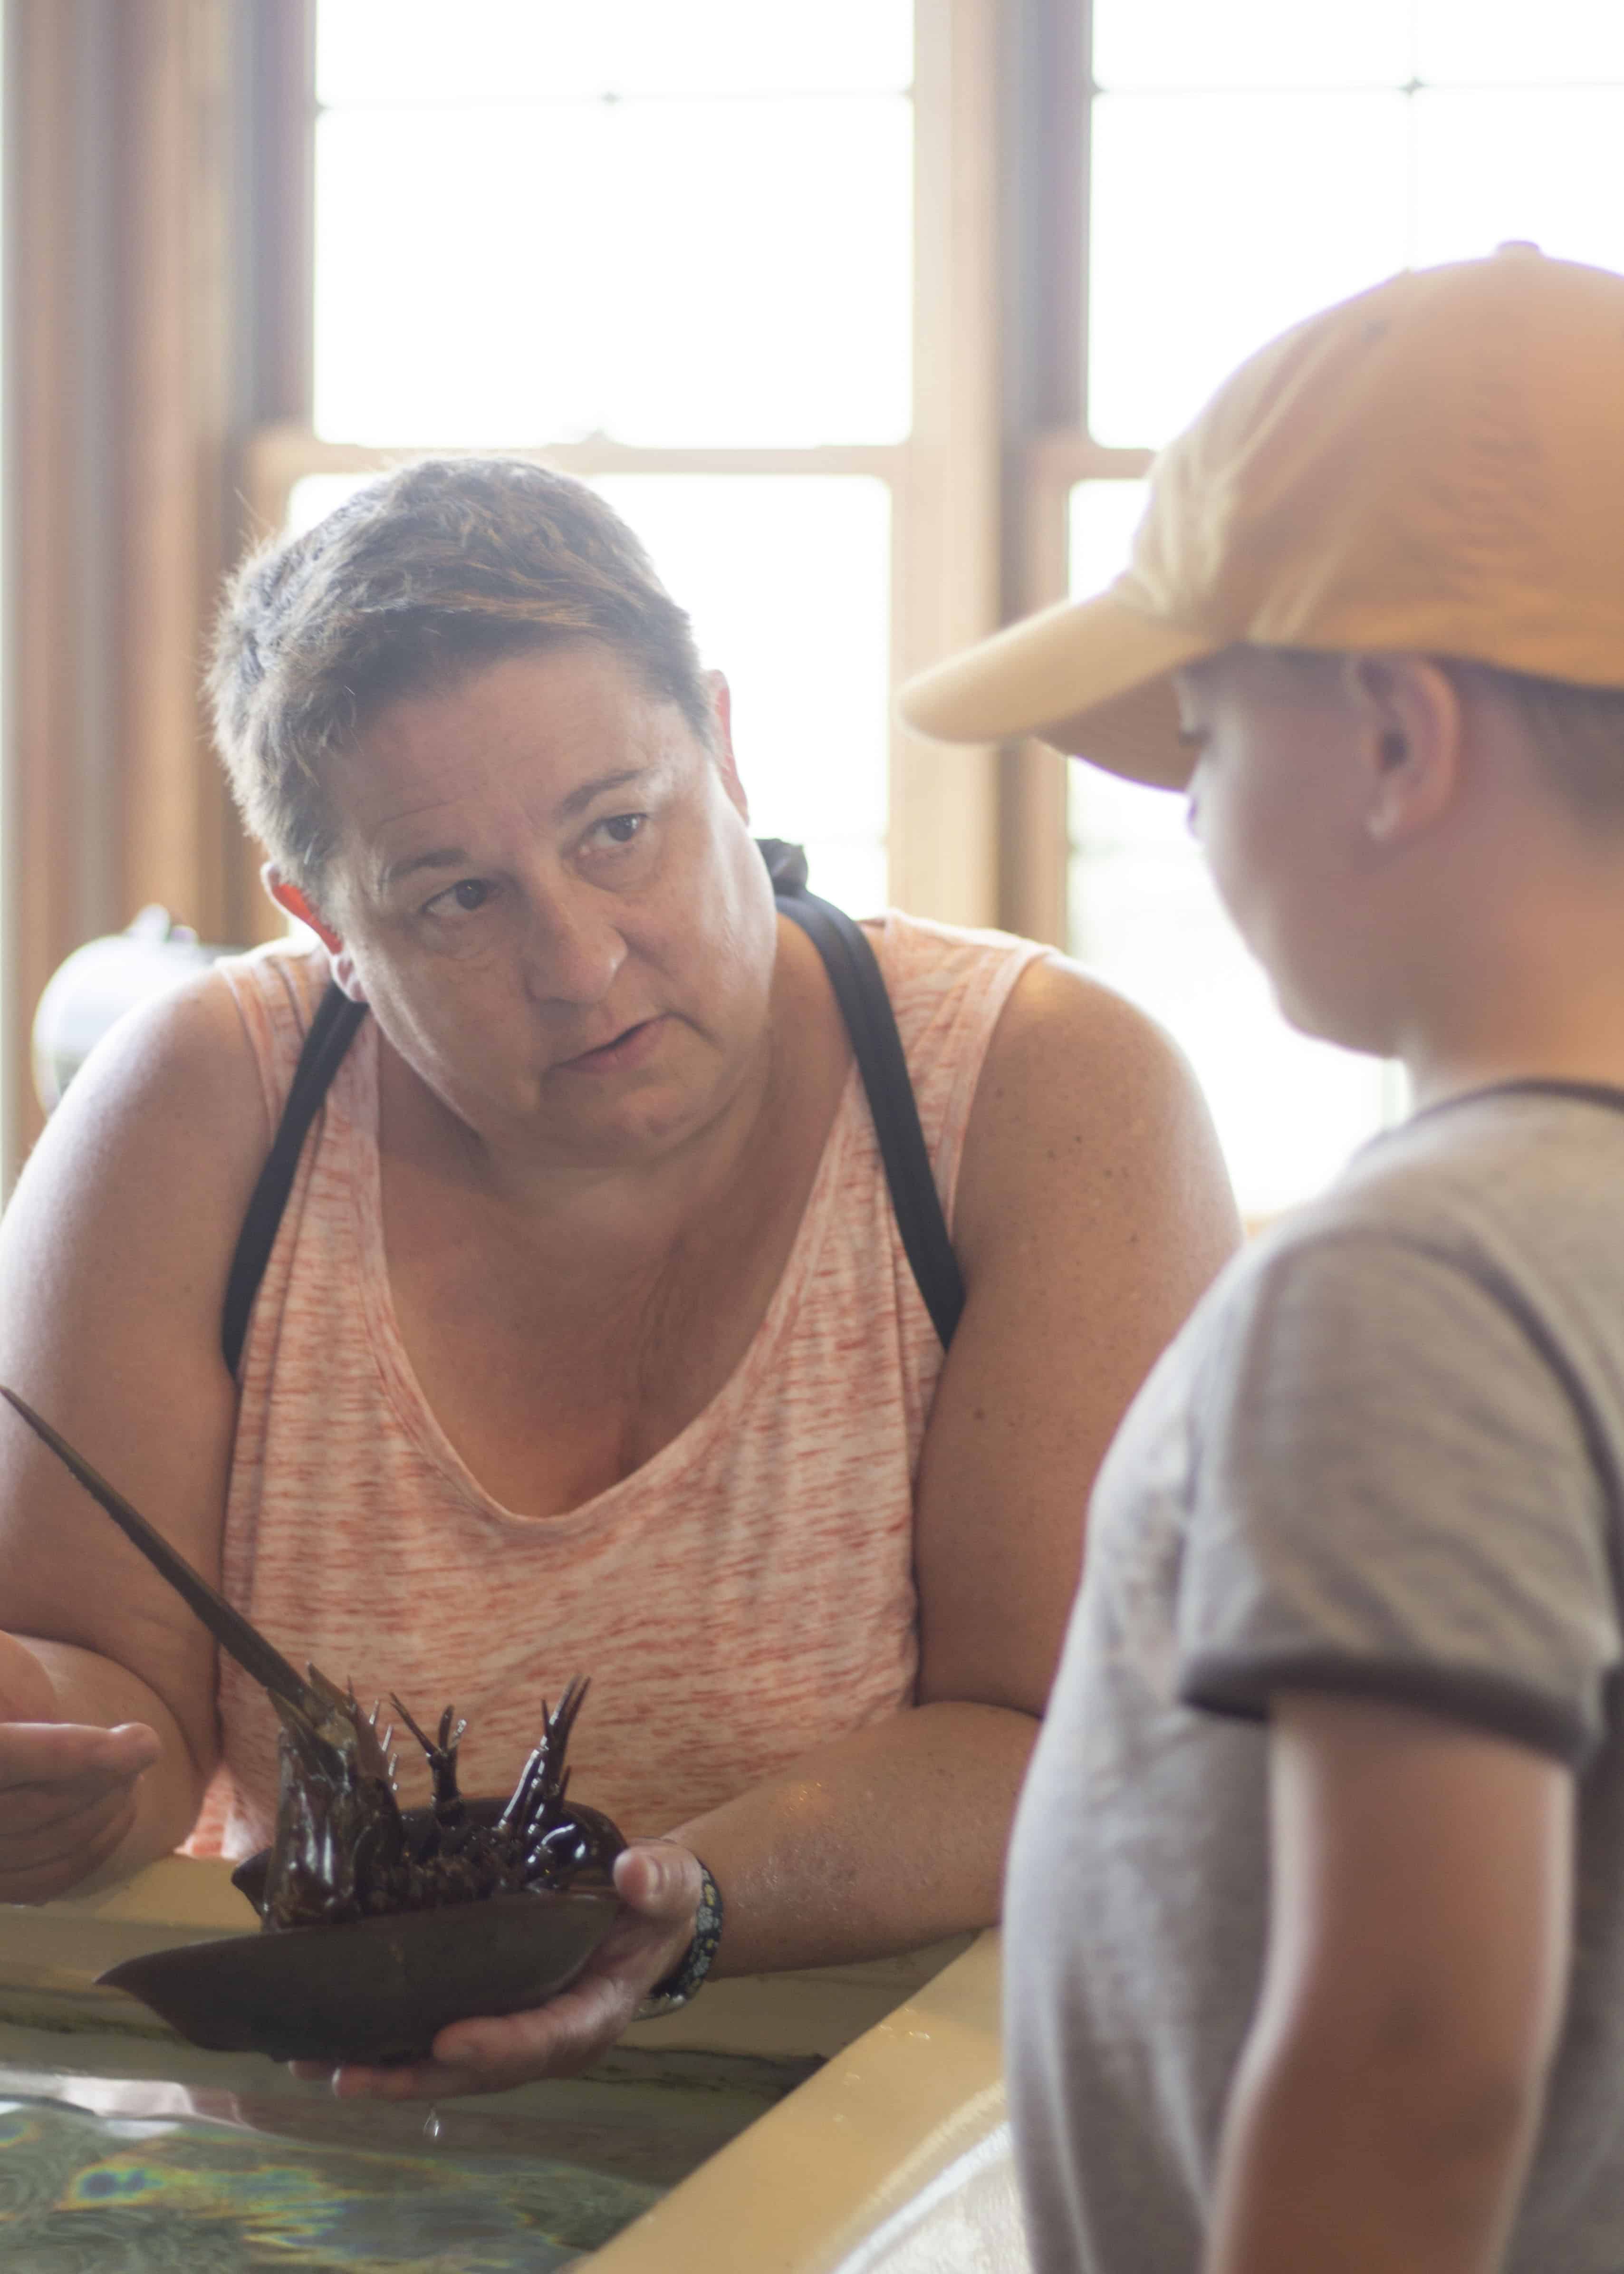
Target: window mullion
x,y
1044,127
943,803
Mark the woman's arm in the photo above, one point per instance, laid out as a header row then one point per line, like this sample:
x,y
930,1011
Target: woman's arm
x,y
1093,1209
113,1259
1387,2104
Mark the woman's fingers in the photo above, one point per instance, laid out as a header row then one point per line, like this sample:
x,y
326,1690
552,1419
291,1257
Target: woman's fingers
x,y
67,1798
659,1880
46,1756
567,2034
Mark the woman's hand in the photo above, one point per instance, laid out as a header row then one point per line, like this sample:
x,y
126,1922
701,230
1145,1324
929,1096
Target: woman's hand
x,y
658,1883
67,1789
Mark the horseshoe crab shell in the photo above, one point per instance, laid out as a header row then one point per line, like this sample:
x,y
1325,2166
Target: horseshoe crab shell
x,y
378,1988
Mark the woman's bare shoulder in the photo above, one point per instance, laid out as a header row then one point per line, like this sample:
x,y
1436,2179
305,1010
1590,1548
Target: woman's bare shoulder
x,y
1084,1097
143,1172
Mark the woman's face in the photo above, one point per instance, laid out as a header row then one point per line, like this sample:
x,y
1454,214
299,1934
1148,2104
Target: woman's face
x,y
545,889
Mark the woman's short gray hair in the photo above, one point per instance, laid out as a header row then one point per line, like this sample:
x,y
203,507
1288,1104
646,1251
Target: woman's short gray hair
x,y
415,580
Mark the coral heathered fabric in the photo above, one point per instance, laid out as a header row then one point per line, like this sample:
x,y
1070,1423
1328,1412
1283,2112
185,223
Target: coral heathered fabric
x,y
743,1595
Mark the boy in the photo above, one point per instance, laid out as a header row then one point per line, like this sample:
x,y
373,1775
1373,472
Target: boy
x,y
1315,1919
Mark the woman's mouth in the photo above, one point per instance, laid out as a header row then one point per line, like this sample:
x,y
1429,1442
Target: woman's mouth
x,y
629,1048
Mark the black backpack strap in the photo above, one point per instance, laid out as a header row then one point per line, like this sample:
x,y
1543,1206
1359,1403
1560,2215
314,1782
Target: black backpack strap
x,y
331,1032
860,989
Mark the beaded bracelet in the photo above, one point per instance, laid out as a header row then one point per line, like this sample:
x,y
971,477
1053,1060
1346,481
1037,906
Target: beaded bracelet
x,y
677,1987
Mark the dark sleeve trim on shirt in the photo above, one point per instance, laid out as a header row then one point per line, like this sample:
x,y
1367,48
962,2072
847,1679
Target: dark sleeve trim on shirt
x,y
1225,1682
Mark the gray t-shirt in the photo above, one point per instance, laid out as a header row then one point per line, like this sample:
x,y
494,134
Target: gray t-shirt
x,y
1383,1459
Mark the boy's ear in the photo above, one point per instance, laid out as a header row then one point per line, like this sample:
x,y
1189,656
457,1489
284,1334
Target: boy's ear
x,y
295,902
1410,734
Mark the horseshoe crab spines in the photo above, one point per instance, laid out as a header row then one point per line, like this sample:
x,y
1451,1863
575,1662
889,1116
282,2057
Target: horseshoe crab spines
x,y
342,1849
441,1755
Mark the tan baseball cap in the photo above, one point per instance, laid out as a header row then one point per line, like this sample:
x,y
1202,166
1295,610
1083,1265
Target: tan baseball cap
x,y
1434,467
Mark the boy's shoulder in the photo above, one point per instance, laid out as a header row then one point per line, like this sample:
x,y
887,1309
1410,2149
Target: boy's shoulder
x,y
1475,1253
1485,1233
1401,1438
1525,1177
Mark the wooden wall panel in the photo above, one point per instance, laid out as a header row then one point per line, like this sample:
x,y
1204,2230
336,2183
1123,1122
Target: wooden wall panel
x,y
43,898
169,403
128,229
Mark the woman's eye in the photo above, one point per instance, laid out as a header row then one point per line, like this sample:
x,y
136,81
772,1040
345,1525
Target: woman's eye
x,y
614,832
470,893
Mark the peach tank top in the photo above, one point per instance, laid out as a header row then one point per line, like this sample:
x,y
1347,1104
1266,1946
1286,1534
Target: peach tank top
x,y
743,1596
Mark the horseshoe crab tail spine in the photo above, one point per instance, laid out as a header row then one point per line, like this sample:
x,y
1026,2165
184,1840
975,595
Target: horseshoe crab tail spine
x,y
230,1629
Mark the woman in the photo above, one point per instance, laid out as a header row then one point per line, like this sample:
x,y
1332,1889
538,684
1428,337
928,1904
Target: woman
x,y
587,1342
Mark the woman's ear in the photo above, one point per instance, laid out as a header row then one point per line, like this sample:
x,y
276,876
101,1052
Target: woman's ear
x,y
722,744
1408,723
293,901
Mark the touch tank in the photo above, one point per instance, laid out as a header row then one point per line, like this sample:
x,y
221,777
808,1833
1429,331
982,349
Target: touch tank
x,y
830,2104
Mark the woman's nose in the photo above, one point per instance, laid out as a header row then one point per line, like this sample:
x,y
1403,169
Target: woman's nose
x,y
572,948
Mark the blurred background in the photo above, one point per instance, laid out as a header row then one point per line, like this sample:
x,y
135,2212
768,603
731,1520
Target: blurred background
x,y
870,316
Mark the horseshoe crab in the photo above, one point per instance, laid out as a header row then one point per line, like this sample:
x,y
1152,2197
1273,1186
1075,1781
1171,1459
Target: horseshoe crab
x,y
379,1925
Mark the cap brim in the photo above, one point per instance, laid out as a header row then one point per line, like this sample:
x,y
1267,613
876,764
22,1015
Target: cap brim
x,y
1090,676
